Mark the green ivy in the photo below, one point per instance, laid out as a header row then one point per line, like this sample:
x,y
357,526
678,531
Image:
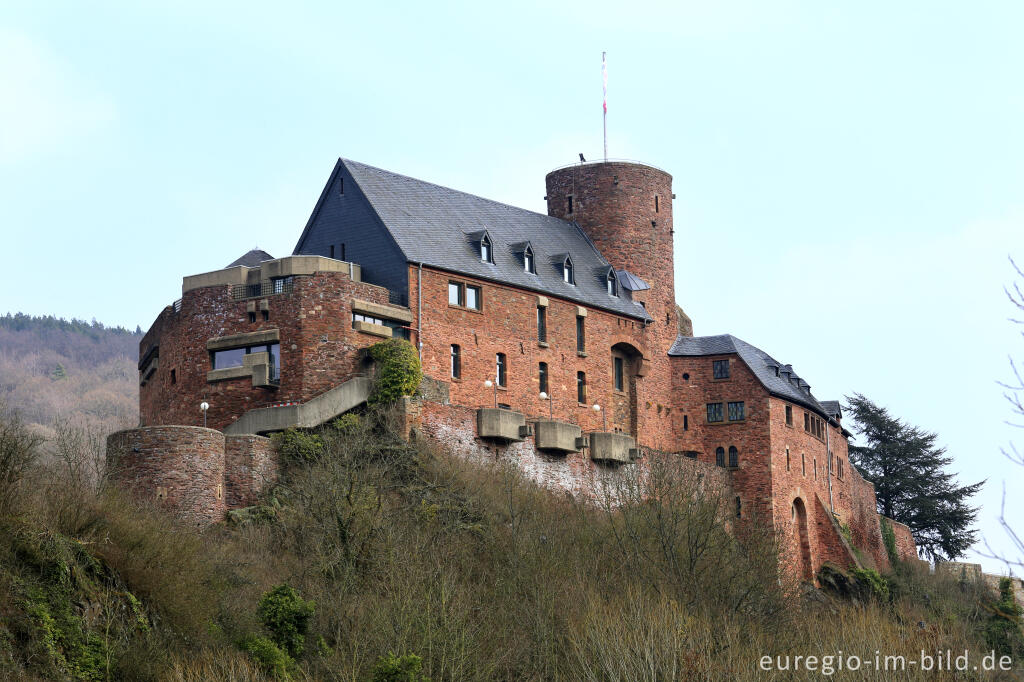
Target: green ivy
x,y
398,371
269,656
889,539
872,583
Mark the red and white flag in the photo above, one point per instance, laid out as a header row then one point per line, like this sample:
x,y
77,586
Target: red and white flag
x,y
604,78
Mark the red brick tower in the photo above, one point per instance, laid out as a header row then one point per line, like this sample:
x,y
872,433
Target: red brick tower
x,y
626,210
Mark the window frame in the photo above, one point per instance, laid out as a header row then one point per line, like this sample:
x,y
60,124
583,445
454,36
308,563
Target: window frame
x,y
716,369
543,375
542,324
741,409
612,284
459,288
568,271
619,373
734,457
581,387
720,457
456,361
581,334
501,370
718,409
486,250
529,261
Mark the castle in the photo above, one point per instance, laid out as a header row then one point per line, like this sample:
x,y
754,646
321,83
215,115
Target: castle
x,y
552,340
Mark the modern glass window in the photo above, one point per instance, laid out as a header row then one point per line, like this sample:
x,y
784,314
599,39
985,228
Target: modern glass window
x,y
715,412
454,293
473,298
485,250
581,387
501,369
282,284
528,264
581,334
398,329
720,369
618,371
542,375
789,415
736,411
720,457
542,323
567,271
235,357
612,284
734,456
456,362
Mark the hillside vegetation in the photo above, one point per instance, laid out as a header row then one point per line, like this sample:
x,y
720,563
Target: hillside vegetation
x,y
374,559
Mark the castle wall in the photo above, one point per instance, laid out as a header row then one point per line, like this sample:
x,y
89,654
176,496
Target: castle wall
x,y
906,549
319,348
250,466
180,467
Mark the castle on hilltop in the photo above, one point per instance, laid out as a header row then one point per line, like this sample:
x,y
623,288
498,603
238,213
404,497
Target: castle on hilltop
x,y
552,340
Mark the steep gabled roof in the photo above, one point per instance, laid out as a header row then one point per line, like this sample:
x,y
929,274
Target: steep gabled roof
x,y
778,379
250,259
430,224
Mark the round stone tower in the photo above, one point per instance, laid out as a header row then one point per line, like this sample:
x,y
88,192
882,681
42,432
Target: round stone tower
x,y
626,210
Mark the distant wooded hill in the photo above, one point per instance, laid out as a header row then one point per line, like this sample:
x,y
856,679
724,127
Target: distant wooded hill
x,y
52,368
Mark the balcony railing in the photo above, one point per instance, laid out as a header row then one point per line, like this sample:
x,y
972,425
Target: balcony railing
x,y
267,287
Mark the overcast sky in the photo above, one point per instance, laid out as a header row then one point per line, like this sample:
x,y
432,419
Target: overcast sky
x,y
848,179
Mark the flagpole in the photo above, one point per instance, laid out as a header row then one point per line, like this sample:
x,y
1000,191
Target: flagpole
x,y
604,105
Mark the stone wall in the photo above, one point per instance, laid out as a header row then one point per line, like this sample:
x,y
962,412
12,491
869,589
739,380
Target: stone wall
x,y
250,466
180,467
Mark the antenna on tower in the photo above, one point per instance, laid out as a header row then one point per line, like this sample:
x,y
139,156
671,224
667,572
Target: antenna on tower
x,y
604,79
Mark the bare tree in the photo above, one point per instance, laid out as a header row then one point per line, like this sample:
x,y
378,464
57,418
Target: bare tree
x,y
19,449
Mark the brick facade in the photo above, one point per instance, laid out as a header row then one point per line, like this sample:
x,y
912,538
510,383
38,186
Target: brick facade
x,y
780,475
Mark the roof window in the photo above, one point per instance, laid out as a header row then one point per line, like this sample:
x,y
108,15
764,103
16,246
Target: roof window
x,y
612,284
529,263
567,271
485,250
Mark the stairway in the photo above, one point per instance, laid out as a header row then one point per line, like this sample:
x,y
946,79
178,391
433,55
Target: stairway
x,y
318,410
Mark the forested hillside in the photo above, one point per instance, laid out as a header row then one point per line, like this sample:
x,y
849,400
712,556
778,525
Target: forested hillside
x,y
52,369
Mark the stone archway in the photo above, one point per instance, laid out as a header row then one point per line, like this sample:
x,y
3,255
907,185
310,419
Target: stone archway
x,y
801,542
627,361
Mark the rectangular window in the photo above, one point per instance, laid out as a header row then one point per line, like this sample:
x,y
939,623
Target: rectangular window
x,y
686,423
542,374
720,369
618,369
736,412
715,412
454,293
789,415
807,422
581,387
252,317
282,284
456,362
266,315
234,357
501,369
581,334
787,459
174,377
473,299
814,463
803,464
542,324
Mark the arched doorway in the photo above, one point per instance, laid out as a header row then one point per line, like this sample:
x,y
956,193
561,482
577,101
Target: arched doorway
x,y
624,414
801,542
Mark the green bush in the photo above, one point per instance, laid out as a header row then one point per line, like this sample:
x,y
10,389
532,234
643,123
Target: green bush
x,y
398,371
299,447
269,656
889,539
286,615
871,583
393,668
1003,631
347,424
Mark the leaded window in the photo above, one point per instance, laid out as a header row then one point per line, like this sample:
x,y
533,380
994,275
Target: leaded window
x,y
736,411
715,412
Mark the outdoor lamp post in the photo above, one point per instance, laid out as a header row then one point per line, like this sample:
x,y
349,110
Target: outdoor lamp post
x,y
597,408
204,406
551,409
488,383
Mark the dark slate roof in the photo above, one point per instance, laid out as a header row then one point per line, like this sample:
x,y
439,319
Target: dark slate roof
x,y
441,227
630,281
251,259
778,379
831,408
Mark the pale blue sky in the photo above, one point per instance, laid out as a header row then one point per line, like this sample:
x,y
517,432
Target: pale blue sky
x,y
848,178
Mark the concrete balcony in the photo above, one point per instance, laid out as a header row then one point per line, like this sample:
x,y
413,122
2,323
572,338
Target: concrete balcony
x,y
556,435
501,424
606,446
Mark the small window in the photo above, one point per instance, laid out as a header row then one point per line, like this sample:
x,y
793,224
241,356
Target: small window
x,y
715,412
787,459
612,284
456,362
803,464
720,457
581,387
501,369
581,334
473,298
252,317
734,456
542,324
570,203
542,375
720,369
656,210
528,262
739,507
830,468
807,422
567,273
331,249
266,315
789,415
485,250
281,285
618,369
454,293
174,377
736,411
686,423
814,464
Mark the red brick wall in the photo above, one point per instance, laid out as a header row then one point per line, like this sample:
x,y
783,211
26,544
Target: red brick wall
x,y
181,467
906,549
507,324
318,348
250,466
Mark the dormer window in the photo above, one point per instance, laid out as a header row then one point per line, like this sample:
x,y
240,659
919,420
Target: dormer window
x,y
528,262
612,284
567,271
485,250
